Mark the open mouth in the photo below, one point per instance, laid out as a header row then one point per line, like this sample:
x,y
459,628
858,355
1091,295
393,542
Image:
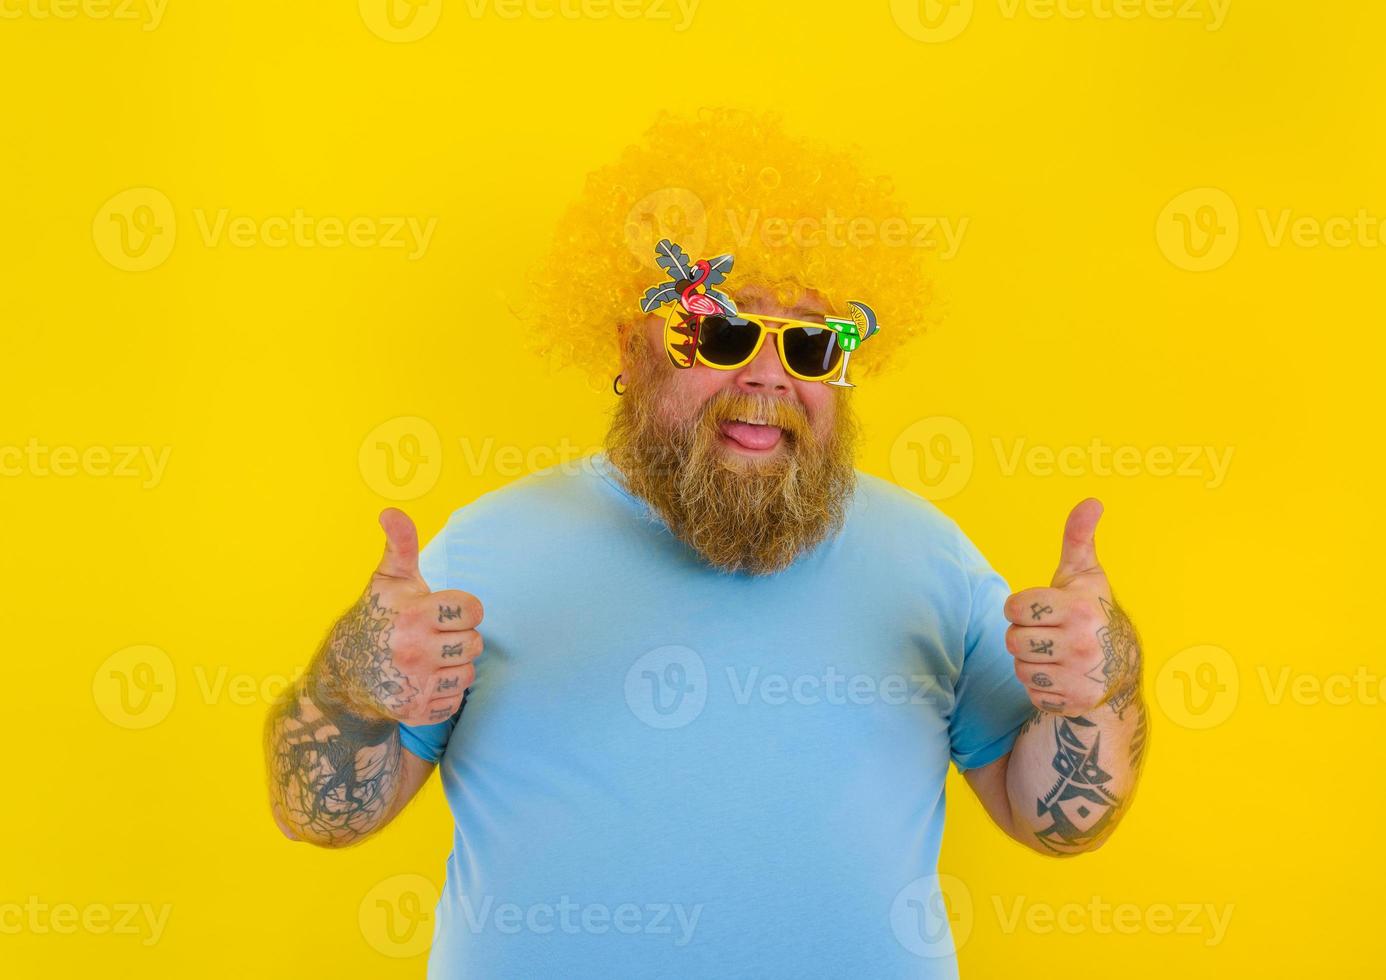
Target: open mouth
x,y
751,435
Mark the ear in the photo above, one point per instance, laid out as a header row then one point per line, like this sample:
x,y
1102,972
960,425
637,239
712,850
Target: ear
x,y
630,332
623,331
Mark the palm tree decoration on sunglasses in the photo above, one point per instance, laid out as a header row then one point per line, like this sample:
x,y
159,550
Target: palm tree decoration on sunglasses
x,y
690,284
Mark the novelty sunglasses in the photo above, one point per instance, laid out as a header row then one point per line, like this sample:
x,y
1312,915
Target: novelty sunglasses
x,y
809,349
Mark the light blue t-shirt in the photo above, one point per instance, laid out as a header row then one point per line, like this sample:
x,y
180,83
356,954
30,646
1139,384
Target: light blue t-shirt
x,y
663,770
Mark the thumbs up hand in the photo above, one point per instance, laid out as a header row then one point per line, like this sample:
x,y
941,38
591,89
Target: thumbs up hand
x,y
402,653
1074,648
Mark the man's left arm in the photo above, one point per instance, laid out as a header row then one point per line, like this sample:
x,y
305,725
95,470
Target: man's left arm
x,y
1072,772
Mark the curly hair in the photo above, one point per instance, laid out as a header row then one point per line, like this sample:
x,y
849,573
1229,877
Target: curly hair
x,y
797,214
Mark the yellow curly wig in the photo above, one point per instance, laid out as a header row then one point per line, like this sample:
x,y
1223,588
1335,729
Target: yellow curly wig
x,y
796,214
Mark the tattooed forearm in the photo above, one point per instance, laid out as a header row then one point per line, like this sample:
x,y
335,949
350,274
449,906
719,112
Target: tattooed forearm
x,y
1072,774
333,758
333,778
1090,779
1080,806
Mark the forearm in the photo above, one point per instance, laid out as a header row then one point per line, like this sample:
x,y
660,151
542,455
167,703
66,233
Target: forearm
x,y
1070,780
334,775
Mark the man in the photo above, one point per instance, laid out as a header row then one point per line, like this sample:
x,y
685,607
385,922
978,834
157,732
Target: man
x,y
724,675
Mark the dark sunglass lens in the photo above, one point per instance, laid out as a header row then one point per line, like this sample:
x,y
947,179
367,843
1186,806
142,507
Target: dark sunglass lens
x,y
726,339
812,351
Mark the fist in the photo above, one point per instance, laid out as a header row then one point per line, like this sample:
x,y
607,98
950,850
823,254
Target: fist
x,y
1074,648
404,653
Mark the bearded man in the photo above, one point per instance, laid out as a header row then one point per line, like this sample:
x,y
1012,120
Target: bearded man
x,y
725,673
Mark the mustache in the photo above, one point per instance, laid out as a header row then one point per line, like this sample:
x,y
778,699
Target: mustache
x,y
731,404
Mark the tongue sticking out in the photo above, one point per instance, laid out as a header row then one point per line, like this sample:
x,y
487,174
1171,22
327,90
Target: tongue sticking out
x,y
752,436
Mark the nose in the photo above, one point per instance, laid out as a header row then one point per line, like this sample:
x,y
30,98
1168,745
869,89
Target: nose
x,y
765,373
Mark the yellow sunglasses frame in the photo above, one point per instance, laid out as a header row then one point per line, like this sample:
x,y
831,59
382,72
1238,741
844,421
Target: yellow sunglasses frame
x,y
677,317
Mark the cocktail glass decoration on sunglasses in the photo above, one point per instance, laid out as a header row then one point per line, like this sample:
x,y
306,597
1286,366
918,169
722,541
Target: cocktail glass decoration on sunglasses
x,y
705,327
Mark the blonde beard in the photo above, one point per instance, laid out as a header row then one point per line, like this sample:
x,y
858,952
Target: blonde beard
x,y
739,514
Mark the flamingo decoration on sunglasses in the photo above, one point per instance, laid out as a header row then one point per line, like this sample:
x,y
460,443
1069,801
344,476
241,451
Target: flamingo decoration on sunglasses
x,y
686,279
699,304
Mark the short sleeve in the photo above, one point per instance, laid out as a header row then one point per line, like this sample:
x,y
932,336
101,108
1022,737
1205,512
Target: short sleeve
x,y
429,741
991,703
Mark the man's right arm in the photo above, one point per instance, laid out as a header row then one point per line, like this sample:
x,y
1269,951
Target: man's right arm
x,y
337,770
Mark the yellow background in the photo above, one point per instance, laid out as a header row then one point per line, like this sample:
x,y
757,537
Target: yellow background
x,y
1071,315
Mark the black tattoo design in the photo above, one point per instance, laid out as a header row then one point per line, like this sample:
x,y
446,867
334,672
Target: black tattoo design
x,y
334,759
447,684
358,665
1045,647
1037,611
1080,807
1120,671
335,777
446,613
453,649
1042,680
1138,738
1052,705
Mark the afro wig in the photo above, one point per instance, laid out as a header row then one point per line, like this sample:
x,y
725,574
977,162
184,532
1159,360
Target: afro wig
x,y
796,214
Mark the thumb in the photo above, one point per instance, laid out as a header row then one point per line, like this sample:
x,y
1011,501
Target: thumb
x,y
401,558
1079,553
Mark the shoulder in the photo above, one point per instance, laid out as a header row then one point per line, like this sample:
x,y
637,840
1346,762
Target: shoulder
x,y
554,494
888,512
